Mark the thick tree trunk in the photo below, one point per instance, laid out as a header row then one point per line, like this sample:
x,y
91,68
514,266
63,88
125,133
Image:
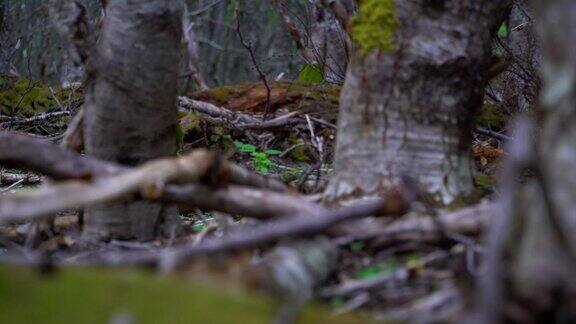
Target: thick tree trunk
x,y
542,237
131,105
410,92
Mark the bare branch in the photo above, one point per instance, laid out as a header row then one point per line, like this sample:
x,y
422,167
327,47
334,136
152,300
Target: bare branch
x,y
263,78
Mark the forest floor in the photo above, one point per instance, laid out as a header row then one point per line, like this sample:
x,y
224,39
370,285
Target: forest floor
x,y
291,139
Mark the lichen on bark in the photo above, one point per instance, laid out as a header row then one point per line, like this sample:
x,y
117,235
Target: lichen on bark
x,y
372,29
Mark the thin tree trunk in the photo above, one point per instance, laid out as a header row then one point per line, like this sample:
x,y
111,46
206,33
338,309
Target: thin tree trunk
x,y
524,82
131,105
328,43
411,90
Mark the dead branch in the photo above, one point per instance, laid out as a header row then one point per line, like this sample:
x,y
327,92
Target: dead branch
x,y
301,225
491,133
469,221
192,48
147,180
281,8
16,121
248,46
10,178
236,120
239,200
19,150
211,110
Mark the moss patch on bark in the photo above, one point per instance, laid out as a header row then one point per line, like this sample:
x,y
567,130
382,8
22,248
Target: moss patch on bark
x,y
372,29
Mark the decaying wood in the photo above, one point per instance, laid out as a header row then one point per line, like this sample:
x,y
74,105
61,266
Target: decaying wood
x,y
16,121
300,225
236,120
468,221
148,181
59,163
10,178
394,279
238,200
19,150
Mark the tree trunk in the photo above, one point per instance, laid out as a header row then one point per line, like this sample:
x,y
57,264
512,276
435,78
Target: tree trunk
x,y
328,43
411,90
524,81
540,243
131,109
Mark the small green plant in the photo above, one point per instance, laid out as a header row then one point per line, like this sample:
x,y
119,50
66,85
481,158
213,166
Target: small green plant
x,y
260,160
311,73
503,30
375,270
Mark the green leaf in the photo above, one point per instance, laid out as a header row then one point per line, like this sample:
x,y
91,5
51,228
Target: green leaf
x,y
311,73
198,227
503,31
245,147
369,272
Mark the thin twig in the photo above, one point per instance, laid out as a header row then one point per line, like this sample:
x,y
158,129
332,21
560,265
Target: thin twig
x,y
263,78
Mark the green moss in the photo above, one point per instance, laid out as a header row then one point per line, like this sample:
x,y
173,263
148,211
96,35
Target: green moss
x,y
372,29
95,296
481,180
490,116
223,94
25,98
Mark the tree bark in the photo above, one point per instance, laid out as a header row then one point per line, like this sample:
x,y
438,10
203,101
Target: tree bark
x,y
544,264
526,56
328,43
131,106
411,90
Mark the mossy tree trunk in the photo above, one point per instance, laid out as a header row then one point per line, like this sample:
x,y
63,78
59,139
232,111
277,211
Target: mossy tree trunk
x,y
131,109
412,87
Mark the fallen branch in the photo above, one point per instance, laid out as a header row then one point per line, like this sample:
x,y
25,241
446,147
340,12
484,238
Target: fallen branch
x,y
14,121
396,279
238,121
301,225
261,74
491,133
148,181
468,221
239,200
10,178
25,151
19,150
